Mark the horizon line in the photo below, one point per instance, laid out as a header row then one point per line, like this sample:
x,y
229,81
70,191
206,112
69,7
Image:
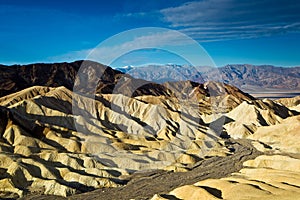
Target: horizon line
x,y
141,65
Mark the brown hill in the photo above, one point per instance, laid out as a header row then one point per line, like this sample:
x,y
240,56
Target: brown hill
x,y
17,77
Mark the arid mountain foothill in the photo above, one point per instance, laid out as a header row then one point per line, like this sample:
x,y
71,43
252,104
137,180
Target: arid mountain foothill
x,y
83,130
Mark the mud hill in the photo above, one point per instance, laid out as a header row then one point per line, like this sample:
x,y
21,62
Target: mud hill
x,y
175,139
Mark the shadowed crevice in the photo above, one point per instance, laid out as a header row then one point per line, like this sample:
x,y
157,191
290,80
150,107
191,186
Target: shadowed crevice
x,y
170,197
213,191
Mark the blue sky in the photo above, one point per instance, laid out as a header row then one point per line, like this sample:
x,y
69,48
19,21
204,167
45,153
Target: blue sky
x,y
231,31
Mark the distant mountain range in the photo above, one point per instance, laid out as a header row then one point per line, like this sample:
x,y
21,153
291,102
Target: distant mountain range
x,y
246,77
19,77
249,78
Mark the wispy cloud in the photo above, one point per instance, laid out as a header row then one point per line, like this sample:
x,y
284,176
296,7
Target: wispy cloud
x,y
211,20
110,50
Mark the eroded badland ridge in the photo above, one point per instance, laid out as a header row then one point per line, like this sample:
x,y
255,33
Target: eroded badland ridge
x,y
135,139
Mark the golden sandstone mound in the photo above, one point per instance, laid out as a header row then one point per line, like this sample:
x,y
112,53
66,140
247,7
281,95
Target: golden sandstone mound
x,y
283,137
275,175
46,149
291,103
250,115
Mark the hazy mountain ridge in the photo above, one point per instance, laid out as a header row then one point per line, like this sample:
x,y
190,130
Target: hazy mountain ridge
x,y
264,76
243,76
